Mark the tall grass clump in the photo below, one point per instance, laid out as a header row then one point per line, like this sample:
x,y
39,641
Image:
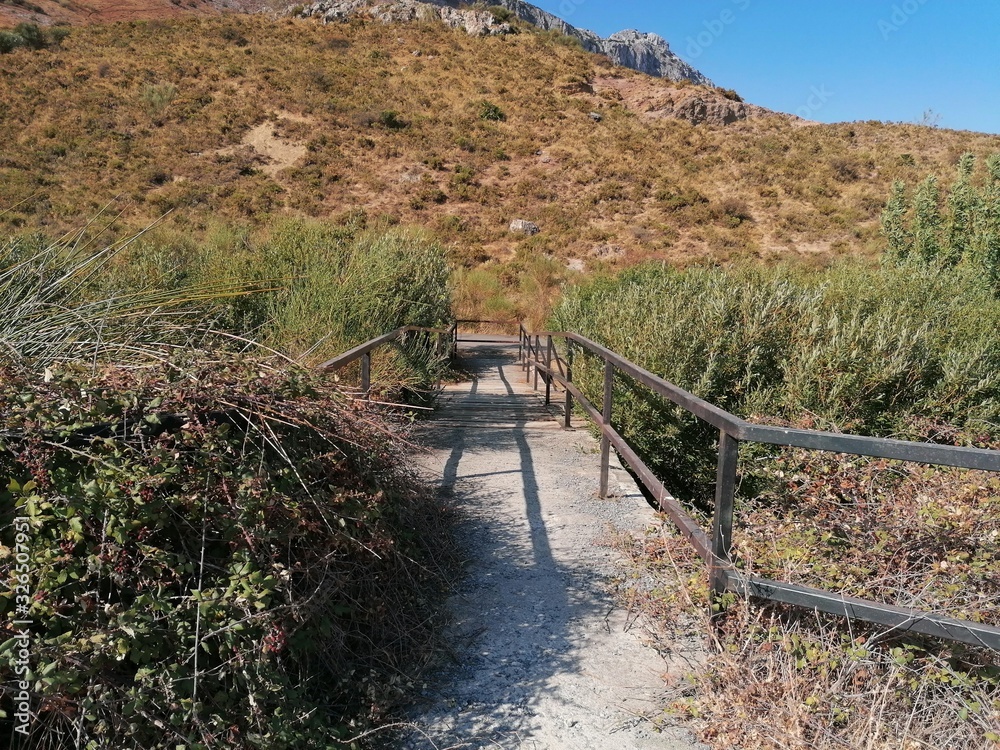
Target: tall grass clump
x,y
856,348
523,289
961,228
52,307
323,287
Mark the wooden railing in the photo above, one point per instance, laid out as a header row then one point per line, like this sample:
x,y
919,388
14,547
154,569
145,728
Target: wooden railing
x,y
538,352
541,358
441,337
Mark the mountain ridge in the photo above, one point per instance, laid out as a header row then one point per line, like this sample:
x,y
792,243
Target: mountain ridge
x,y
642,51
243,117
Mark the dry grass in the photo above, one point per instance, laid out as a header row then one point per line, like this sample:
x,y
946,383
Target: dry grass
x,y
780,679
653,187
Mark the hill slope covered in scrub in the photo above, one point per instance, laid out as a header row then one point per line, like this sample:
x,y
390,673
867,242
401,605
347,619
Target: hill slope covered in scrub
x,y
51,12
239,117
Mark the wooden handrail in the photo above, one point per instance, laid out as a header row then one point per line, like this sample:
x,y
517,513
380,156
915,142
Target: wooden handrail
x,y
364,351
716,548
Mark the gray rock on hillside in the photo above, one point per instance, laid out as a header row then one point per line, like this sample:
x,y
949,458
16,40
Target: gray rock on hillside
x,y
527,228
647,53
474,22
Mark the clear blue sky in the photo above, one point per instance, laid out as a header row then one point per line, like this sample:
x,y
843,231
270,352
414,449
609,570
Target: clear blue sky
x,y
830,60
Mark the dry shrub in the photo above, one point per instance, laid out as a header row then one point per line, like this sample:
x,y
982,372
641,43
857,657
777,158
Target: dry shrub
x,y
780,678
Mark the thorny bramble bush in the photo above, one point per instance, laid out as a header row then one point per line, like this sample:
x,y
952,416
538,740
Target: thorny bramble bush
x,y
230,562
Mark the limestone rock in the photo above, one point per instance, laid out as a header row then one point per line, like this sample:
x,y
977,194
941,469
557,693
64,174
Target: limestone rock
x,y
527,228
648,53
474,22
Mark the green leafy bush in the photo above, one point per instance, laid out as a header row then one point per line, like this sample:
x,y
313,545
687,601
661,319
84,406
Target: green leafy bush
x,y
390,119
30,35
491,112
501,14
227,560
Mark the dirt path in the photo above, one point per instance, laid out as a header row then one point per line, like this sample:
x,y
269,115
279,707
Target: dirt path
x,y
543,657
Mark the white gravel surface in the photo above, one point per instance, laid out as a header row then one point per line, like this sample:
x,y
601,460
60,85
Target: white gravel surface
x,y
543,657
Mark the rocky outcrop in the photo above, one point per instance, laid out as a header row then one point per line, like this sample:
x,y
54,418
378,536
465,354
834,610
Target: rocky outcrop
x,y
647,53
654,101
650,54
712,111
474,22
527,228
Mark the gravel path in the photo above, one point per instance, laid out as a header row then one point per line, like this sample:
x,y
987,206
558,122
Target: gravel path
x,y
543,657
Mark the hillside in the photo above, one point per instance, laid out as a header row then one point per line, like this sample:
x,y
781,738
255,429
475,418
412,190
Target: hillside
x,y
237,117
76,12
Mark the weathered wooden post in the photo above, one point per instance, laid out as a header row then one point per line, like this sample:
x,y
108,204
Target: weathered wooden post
x,y
366,374
538,358
567,417
609,386
722,521
548,375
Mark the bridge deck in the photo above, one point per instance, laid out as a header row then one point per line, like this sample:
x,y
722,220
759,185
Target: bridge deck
x,y
544,657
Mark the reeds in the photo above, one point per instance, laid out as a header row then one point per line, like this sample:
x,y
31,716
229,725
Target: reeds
x,y
50,308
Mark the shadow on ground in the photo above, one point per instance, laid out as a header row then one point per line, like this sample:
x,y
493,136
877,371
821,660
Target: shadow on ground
x,y
534,646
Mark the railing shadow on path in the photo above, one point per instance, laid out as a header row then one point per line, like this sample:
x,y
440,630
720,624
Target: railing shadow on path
x,y
522,615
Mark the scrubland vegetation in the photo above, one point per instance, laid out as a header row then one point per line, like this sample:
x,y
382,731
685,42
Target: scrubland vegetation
x,y
906,349
420,125
222,543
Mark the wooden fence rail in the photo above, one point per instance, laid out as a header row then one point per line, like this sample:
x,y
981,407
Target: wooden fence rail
x,y
715,549
540,357
364,351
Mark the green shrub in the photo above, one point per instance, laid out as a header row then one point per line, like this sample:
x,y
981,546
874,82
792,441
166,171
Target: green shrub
x,y
501,14
857,348
58,302
156,98
33,36
30,35
9,41
229,563
966,232
491,112
332,286
390,119
57,34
